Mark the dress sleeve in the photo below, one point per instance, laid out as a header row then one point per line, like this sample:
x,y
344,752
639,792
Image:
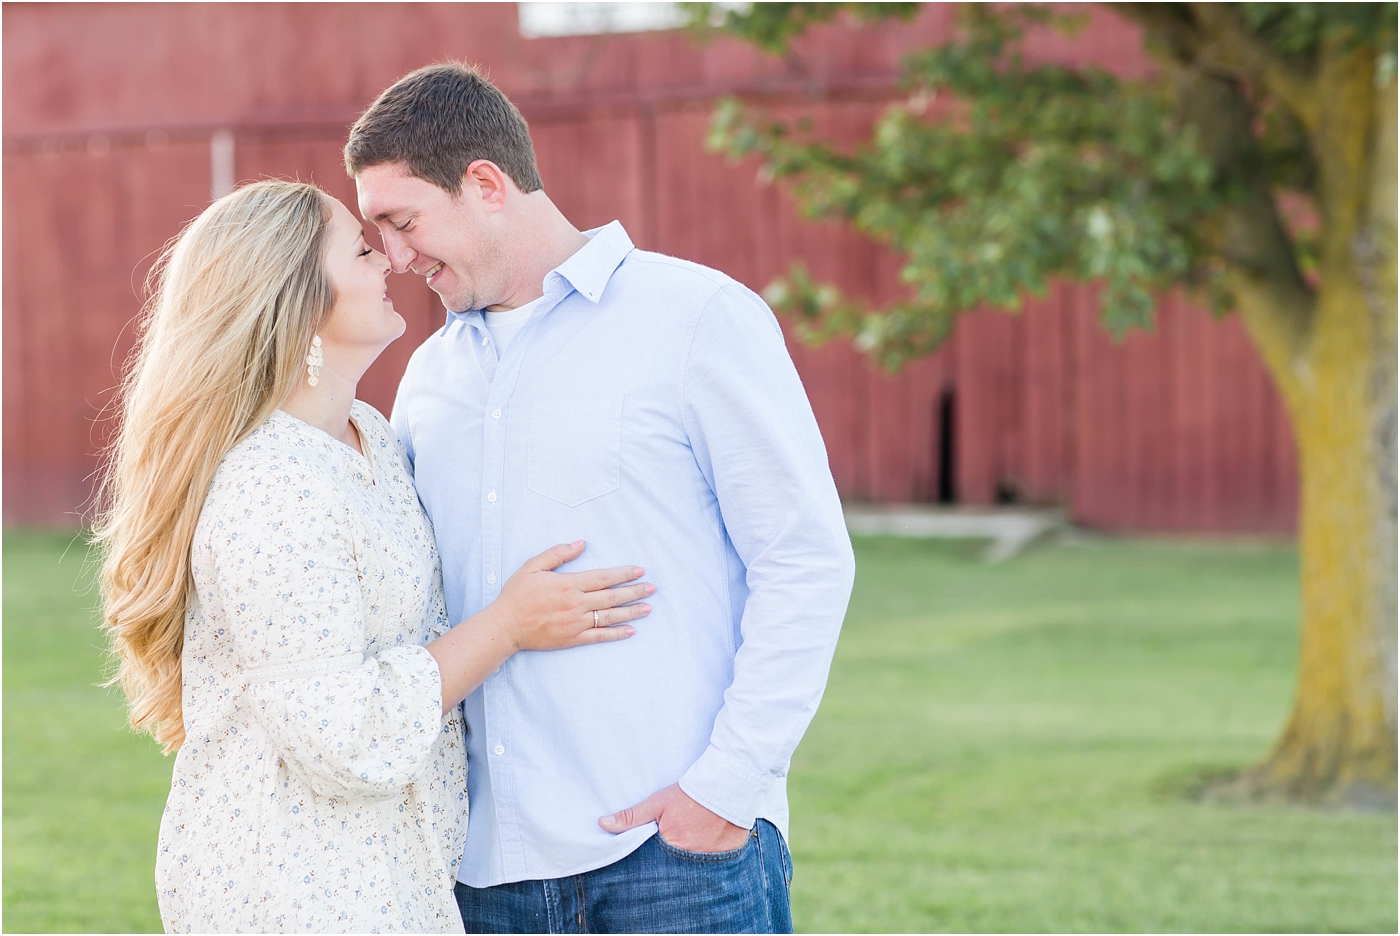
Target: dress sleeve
x,y
346,721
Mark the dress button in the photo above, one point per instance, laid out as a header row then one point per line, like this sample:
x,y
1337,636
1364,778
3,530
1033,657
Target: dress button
x,y
496,413
491,497
491,578
500,749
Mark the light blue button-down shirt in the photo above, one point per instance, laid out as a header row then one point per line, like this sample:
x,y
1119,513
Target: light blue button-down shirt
x,y
650,407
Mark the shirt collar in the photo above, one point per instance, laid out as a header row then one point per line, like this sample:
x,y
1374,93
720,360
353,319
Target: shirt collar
x,y
590,268
587,271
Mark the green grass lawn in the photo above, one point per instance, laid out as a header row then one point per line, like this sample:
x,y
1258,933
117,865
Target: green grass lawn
x,y
82,795
1001,748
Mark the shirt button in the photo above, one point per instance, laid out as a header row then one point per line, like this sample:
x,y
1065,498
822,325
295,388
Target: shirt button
x,y
500,749
491,578
496,413
491,497
484,340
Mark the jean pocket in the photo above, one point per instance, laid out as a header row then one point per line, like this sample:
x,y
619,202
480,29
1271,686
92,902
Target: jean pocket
x,y
785,855
575,448
731,855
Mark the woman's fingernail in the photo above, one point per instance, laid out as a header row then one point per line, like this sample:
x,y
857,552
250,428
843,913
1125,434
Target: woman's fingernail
x,y
576,544
646,608
631,631
608,821
651,589
638,572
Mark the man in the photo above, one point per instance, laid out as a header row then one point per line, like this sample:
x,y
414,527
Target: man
x,y
582,388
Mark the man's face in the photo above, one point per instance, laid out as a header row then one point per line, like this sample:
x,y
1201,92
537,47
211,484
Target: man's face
x,y
449,240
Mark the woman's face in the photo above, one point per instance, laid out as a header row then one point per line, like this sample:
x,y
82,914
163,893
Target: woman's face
x,y
362,322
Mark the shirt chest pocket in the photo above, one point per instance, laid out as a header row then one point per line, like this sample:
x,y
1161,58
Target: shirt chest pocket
x,y
575,448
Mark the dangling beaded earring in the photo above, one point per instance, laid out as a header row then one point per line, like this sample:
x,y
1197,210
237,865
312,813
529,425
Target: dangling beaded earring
x,y
314,360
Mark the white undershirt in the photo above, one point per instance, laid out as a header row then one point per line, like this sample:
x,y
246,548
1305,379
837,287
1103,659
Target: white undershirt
x,y
504,325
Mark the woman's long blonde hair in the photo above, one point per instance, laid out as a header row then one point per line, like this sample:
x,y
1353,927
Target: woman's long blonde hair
x,y
233,304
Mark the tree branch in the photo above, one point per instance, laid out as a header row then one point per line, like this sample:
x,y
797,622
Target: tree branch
x,y
1230,45
1208,55
1211,37
1249,235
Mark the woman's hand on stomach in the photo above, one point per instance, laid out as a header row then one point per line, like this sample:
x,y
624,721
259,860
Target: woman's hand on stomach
x,y
540,609
547,610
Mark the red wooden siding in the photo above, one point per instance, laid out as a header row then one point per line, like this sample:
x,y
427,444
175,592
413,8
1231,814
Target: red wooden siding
x,y
108,114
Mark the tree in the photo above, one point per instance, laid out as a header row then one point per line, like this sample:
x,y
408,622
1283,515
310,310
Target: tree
x,y
1256,167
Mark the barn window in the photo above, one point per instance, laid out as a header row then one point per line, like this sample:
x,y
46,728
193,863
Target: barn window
x,y
538,20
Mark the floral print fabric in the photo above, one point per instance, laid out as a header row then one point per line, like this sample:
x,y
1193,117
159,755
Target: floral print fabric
x,y
319,788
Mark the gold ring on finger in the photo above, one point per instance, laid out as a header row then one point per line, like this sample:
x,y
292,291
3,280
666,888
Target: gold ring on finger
x,y
596,622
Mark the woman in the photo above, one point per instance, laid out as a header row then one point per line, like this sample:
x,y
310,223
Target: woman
x,y
272,591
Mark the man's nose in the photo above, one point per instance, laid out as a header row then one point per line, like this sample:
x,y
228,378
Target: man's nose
x,y
400,255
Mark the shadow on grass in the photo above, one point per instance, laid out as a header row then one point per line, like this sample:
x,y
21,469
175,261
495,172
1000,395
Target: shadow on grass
x,y
1197,782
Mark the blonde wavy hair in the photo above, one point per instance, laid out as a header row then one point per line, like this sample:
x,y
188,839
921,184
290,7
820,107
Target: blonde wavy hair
x,y
233,303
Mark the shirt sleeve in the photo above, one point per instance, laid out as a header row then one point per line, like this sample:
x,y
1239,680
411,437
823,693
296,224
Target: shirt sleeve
x,y
757,443
346,720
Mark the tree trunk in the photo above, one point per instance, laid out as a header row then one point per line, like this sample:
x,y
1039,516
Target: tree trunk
x,y
1339,746
1340,742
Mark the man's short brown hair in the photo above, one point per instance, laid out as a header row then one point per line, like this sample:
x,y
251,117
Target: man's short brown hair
x,y
437,121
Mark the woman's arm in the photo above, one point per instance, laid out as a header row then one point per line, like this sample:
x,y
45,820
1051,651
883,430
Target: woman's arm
x,y
279,567
538,609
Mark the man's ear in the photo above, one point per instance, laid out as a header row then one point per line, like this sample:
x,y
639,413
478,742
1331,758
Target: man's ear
x,y
488,182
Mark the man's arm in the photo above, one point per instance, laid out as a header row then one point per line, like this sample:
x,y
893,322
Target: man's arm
x,y
757,443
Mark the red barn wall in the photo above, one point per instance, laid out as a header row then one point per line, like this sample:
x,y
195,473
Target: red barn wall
x,y
108,113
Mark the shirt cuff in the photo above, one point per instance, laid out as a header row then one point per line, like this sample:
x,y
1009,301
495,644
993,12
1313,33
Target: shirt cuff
x,y
726,787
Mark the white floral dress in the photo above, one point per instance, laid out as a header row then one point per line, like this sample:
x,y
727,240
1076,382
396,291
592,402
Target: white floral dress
x,y
319,788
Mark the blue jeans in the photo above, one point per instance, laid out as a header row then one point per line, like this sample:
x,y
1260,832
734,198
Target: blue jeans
x,y
657,889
